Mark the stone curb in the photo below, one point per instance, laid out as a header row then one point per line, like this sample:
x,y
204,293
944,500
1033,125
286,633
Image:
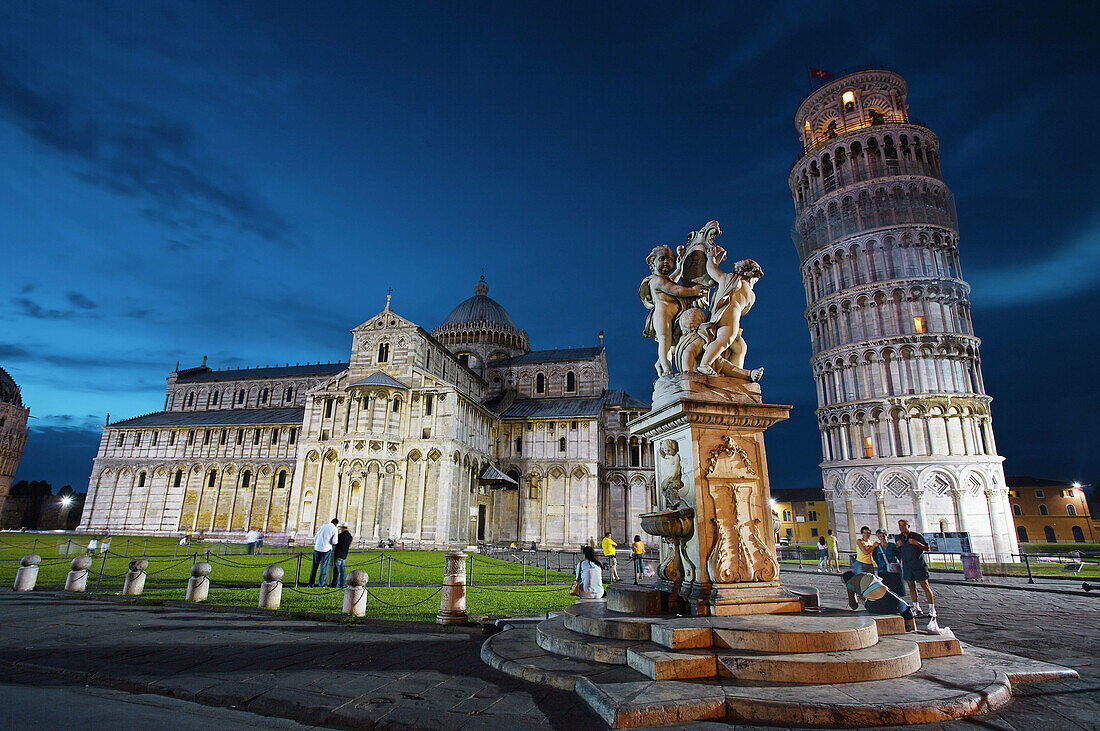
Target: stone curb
x,y
976,584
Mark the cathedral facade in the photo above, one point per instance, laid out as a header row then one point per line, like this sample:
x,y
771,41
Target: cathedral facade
x,y
449,437
906,429
13,431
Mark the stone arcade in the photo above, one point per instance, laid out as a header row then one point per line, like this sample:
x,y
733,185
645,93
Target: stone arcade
x,y
451,437
748,648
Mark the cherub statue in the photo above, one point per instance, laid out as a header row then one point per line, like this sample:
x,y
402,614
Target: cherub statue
x,y
665,299
673,480
693,339
732,299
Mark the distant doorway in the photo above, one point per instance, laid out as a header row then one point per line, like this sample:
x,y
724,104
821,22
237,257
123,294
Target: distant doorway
x,y
1078,534
1021,533
481,522
1049,530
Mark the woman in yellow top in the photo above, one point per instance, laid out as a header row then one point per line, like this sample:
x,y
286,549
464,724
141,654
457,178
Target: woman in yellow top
x,y
638,549
865,547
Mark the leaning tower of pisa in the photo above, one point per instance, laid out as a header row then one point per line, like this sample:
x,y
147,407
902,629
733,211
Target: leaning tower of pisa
x,y
905,421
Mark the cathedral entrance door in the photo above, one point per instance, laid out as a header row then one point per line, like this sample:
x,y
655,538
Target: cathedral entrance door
x,y
481,522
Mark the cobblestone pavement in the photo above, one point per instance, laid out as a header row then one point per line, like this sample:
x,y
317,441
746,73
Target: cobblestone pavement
x,y
416,676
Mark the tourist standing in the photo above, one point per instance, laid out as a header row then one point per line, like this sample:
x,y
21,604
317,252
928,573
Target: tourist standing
x,y
638,549
589,573
834,552
822,555
322,551
865,548
912,547
340,556
609,555
251,538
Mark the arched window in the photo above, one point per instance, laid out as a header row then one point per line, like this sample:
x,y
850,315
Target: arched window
x,y
396,405
263,396
240,396
1043,510
179,478
1071,510
288,394
1049,531
519,445
561,444
428,405
214,399
191,399
1078,534
384,353
282,480
246,477
307,507
540,383
212,478
1016,510
328,408
1021,533
141,479
570,382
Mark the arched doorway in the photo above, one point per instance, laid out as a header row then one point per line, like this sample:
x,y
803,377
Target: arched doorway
x,y
1021,534
1078,534
1049,531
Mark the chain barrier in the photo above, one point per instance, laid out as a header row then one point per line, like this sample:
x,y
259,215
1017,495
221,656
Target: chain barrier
x,y
317,591
559,587
404,606
168,568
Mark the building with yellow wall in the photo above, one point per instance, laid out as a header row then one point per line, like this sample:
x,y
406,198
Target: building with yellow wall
x,y
1049,511
801,514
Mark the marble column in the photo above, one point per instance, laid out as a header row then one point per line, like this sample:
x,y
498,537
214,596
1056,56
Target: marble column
x,y
880,499
996,526
922,515
852,533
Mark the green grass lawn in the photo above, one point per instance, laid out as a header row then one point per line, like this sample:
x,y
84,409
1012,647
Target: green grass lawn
x,y
170,563
404,603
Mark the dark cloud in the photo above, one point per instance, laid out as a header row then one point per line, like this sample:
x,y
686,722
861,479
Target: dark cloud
x,y
80,301
13,352
129,151
19,353
30,308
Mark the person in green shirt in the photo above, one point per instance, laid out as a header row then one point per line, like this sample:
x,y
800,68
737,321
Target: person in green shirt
x,y
609,554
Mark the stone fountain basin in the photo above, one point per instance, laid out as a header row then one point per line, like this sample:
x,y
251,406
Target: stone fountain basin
x,y
674,524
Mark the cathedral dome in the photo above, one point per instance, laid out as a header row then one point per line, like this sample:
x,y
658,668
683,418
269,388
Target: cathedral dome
x,y
479,330
480,310
9,392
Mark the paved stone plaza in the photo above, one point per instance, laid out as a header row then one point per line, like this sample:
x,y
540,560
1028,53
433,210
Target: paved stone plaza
x,y
416,676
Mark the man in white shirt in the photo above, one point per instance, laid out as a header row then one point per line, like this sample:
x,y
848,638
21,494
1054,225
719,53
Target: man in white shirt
x,y
322,551
252,537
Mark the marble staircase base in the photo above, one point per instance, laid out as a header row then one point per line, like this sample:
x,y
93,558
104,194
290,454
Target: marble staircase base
x,y
827,668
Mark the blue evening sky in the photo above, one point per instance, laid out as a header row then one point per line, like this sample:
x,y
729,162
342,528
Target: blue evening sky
x,y
244,181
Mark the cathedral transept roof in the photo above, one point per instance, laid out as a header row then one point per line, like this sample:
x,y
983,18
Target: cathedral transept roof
x,y
217,417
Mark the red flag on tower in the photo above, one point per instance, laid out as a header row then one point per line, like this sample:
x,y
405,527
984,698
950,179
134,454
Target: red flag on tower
x,y
819,73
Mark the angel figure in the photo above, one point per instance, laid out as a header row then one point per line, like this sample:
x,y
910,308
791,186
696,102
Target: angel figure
x,y
666,300
732,299
673,483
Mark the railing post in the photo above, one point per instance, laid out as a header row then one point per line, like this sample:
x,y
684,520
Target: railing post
x,y
546,570
1027,563
452,603
389,573
470,576
102,568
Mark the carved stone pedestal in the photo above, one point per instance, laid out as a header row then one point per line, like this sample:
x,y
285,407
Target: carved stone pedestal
x,y
708,434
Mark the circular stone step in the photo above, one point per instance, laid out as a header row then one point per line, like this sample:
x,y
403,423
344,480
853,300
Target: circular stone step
x,y
552,636
597,620
889,658
793,633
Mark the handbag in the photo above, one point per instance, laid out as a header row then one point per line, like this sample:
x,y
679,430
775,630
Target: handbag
x,y
575,590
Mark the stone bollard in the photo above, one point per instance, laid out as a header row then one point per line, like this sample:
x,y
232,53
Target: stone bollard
x,y
355,594
77,580
27,573
452,603
271,588
135,578
198,586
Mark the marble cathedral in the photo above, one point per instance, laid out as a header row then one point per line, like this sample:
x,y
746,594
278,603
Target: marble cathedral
x,y
449,437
